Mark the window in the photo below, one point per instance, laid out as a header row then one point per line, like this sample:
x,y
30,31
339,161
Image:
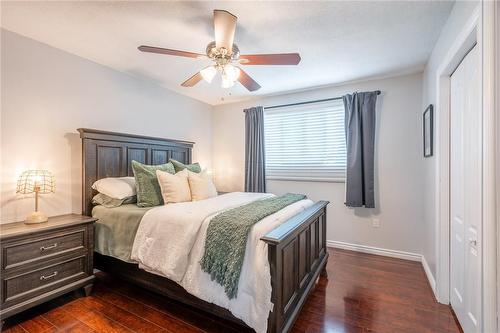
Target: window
x,y
306,141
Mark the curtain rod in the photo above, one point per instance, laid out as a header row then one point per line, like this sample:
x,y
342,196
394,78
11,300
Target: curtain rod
x,y
308,102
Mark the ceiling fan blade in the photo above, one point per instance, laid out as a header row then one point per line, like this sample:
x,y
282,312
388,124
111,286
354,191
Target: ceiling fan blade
x,y
224,26
247,81
152,49
270,59
192,80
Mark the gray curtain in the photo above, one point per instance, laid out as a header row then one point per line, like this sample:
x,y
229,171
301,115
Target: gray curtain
x,y
360,140
255,172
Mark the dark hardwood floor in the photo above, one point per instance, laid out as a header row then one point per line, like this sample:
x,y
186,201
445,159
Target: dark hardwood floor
x,y
363,293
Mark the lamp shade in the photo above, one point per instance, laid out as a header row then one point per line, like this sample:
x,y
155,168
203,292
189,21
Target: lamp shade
x,y
231,72
208,73
41,181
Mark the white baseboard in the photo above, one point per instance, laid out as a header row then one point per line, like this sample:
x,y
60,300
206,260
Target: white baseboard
x,y
429,275
375,250
387,253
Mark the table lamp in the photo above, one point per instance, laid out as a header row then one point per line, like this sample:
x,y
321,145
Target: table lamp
x,y
40,182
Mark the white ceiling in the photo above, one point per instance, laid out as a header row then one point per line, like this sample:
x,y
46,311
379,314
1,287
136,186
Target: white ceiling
x,y
338,41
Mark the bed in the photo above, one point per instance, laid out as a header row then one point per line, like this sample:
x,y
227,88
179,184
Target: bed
x,y
296,248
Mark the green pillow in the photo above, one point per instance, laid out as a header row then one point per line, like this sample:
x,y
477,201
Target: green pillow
x,y
179,166
109,202
147,187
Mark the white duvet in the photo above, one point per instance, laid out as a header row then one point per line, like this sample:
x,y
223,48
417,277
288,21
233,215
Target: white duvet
x,y
170,242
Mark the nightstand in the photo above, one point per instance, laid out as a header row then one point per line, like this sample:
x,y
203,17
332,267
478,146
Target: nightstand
x,y
42,261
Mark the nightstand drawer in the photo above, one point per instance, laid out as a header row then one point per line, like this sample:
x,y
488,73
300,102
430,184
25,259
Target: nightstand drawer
x,y
31,250
36,282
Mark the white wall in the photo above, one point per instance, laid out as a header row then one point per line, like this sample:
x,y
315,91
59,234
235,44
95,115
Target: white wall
x,y
461,13
398,162
47,94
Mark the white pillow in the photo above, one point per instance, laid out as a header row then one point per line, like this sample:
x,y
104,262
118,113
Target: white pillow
x,y
174,188
116,187
201,186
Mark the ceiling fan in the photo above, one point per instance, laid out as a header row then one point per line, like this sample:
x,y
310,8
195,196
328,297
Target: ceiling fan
x,y
226,56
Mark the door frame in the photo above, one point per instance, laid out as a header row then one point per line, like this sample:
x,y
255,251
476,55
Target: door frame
x,y
491,35
479,31
495,91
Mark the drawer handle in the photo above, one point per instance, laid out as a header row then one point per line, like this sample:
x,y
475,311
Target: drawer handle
x,y
46,277
48,247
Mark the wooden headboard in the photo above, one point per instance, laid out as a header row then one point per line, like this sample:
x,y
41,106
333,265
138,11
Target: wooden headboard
x,y
109,154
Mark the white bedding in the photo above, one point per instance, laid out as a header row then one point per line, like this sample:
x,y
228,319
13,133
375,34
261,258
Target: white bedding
x,y
170,242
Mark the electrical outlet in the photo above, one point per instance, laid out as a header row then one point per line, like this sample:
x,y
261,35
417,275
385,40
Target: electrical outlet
x,y
376,223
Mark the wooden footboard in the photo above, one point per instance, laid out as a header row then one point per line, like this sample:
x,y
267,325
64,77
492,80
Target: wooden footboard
x,y
297,255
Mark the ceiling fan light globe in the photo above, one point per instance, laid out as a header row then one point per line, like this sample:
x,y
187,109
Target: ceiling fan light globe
x,y
226,83
231,72
208,73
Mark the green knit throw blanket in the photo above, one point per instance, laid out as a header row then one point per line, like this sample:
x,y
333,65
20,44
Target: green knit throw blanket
x,y
227,238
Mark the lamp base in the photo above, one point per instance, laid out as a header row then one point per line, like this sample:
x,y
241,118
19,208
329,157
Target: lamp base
x,y
36,217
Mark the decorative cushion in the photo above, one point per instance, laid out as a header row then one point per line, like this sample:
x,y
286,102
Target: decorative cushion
x,y
116,187
179,166
107,201
201,186
174,188
147,187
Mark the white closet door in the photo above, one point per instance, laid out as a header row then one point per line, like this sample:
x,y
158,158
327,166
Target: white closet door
x,y
465,189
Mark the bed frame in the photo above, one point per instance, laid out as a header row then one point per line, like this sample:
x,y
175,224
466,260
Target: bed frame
x,y
297,248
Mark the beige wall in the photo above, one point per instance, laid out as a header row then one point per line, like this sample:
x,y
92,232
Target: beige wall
x,y
398,167
47,94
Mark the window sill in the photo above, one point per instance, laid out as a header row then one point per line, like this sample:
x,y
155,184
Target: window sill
x,y
306,179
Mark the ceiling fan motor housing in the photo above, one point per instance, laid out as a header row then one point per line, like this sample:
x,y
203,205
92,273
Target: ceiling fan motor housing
x,y
222,54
